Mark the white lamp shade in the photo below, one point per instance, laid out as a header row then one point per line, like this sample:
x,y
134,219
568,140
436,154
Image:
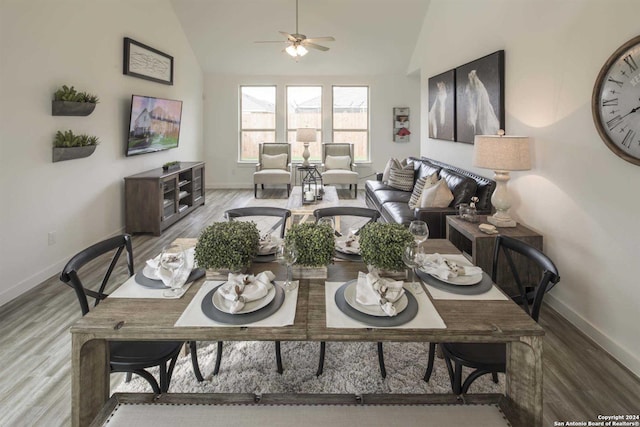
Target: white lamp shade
x,y
306,135
502,153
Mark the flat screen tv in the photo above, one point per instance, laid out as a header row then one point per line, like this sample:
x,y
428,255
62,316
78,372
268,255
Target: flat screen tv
x,y
154,124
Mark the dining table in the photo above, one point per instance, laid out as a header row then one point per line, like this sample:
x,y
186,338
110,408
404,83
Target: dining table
x,y
465,320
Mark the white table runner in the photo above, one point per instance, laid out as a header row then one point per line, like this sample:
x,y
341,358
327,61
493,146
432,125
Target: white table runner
x,y
193,315
427,317
132,289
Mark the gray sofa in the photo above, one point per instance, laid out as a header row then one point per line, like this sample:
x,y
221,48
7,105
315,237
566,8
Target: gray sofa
x,y
393,204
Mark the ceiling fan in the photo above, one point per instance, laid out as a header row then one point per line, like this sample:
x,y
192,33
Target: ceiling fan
x,y
298,43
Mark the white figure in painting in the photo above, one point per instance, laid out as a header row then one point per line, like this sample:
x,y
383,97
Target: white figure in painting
x,y
437,110
480,114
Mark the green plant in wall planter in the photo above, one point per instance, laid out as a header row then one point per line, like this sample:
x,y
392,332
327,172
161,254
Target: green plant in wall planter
x,y
69,102
227,245
68,146
315,244
382,245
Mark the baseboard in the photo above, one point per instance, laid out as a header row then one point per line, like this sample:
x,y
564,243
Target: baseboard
x,y
42,275
621,354
229,186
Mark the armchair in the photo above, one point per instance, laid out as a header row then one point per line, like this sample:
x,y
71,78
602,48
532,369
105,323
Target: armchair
x,y
274,166
337,165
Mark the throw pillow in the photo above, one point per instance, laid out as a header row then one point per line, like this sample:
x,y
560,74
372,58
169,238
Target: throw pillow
x,y
337,162
276,161
438,196
422,184
392,163
401,179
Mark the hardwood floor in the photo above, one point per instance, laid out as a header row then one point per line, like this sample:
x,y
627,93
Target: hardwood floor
x,y
580,379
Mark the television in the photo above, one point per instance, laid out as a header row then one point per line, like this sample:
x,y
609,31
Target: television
x,y
154,124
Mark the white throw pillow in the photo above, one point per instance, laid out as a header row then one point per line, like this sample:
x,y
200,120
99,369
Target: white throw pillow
x,y
276,161
421,185
437,196
392,164
337,162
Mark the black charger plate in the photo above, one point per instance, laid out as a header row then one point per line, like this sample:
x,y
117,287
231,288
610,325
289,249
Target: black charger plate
x,y
213,313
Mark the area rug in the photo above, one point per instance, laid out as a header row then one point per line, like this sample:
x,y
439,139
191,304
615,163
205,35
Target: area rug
x,y
250,367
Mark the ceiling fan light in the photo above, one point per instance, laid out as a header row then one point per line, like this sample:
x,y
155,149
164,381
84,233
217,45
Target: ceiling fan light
x,y
302,51
291,50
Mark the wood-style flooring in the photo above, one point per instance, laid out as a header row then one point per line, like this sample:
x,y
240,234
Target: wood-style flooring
x,y
580,379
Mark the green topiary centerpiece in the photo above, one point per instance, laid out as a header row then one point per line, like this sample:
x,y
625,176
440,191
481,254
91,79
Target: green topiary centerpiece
x,y
382,245
315,244
227,245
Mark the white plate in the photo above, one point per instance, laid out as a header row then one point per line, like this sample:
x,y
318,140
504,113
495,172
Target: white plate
x,y
224,305
474,279
372,310
342,247
268,250
150,273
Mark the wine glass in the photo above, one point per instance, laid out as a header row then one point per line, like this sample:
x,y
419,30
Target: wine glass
x,y
420,232
172,261
288,255
327,220
410,256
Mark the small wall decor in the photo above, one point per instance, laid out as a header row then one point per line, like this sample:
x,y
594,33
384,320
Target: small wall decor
x,y
69,102
442,100
68,146
401,124
480,97
147,63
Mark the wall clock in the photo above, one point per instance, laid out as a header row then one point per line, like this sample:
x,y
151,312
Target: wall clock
x,y
615,102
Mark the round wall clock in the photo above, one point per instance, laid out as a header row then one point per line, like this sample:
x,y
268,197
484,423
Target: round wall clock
x,y
616,101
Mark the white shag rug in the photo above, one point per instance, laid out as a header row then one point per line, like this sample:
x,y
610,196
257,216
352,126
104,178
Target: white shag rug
x,y
250,367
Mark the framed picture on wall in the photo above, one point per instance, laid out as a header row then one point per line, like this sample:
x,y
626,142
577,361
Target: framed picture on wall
x,y
442,106
480,97
147,63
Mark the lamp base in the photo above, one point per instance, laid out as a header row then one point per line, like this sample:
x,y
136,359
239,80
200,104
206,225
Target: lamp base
x,y
501,222
305,155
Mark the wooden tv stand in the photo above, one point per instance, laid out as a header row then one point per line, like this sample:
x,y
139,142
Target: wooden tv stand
x,y
156,199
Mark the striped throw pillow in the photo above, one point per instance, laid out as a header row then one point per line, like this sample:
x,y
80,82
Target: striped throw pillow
x,y
422,184
401,179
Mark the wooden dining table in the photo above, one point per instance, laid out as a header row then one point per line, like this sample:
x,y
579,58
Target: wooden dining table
x,y
494,321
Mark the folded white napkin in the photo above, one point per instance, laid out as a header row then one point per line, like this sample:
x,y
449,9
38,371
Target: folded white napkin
x,y
349,245
267,244
242,288
158,273
442,268
374,290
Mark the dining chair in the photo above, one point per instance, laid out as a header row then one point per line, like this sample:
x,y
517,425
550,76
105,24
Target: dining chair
x,y
124,356
349,211
338,165
486,358
258,211
274,166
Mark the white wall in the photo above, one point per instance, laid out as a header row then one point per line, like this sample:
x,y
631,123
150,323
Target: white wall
x,y
221,126
44,44
579,195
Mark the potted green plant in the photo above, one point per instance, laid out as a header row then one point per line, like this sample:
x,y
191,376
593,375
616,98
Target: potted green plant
x,y
382,245
227,246
69,102
171,166
68,146
315,245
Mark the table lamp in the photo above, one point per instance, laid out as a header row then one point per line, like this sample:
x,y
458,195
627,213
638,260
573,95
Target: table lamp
x,y
305,135
502,154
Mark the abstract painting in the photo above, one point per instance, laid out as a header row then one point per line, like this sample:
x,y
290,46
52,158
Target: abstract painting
x,y
442,106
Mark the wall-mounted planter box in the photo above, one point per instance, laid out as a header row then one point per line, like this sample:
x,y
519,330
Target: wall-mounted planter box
x,y
70,153
69,108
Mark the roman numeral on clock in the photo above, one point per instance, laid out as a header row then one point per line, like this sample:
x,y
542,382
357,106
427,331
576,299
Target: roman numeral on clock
x,y
612,80
611,124
628,138
609,102
631,62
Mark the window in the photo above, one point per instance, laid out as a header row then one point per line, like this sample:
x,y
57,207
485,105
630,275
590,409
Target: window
x,y
258,119
351,118
304,110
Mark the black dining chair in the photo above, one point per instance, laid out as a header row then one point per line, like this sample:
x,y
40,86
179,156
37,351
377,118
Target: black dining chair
x,y
348,211
259,211
490,358
124,356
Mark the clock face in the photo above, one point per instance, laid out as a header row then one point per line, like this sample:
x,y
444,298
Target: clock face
x,y
616,102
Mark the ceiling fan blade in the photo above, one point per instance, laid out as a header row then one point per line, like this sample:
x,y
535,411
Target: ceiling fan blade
x,y
271,41
287,35
314,46
320,39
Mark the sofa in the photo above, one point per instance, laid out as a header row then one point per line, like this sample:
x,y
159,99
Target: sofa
x,y
393,204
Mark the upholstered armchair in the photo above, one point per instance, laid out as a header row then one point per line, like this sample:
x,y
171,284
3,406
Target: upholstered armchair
x,y
274,166
337,165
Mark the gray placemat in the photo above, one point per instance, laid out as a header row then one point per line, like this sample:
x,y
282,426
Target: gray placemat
x,y
143,280
241,319
347,256
484,286
401,318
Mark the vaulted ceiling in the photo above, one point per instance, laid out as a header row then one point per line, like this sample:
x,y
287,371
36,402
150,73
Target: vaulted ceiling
x,y
372,36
